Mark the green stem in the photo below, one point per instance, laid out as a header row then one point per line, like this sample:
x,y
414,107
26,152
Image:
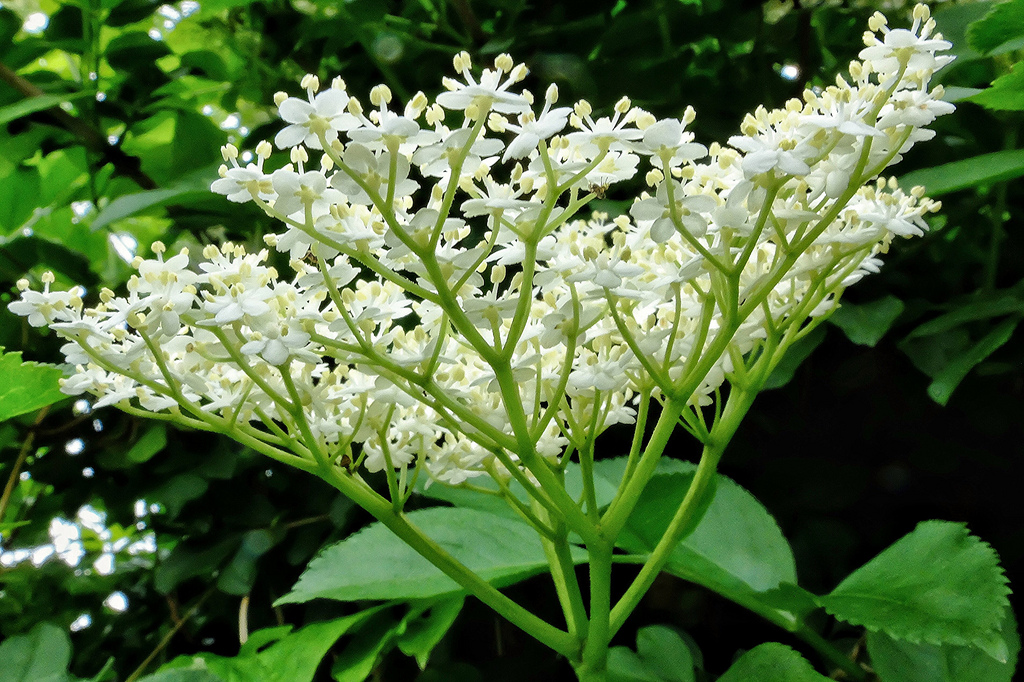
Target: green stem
x,y
558,640
594,665
563,574
621,507
686,516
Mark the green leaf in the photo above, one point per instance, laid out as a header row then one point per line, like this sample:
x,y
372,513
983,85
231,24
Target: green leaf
x,y
152,441
179,491
296,657
736,549
956,93
31,105
11,525
292,658
937,585
131,50
996,304
130,11
772,662
362,653
26,386
41,655
239,575
193,187
468,498
380,566
424,633
977,170
18,255
625,665
1005,94
187,562
896,660
943,385
262,638
1003,22
865,324
665,653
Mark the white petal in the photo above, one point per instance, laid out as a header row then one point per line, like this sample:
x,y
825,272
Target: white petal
x,y
291,136
662,230
295,110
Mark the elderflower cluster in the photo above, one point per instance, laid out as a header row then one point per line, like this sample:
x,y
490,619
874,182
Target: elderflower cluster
x,y
450,311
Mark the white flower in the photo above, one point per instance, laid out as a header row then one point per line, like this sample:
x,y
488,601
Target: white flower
x,y
296,191
437,160
604,133
912,49
690,210
532,129
323,115
241,184
492,92
45,307
667,138
767,152
277,343
375,173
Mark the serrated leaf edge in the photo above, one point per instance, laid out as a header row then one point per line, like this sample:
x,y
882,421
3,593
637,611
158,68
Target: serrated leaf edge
x,y
925,638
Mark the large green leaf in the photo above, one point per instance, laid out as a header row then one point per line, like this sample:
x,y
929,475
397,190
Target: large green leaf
x,y
866,323
375,564
1003,22
977,170
1005,94
938,585
41,655
736,549
361,655
26,386
897,660
772,662
296,657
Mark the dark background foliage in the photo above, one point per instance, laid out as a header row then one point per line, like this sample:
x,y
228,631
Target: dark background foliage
x,y
849,454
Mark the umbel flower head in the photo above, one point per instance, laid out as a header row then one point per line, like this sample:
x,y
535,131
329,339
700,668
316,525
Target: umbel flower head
x,y
452,308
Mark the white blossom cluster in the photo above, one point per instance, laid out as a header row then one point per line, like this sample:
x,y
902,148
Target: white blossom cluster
x,y
451,312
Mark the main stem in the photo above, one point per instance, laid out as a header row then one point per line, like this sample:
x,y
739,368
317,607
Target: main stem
x,y
594,666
